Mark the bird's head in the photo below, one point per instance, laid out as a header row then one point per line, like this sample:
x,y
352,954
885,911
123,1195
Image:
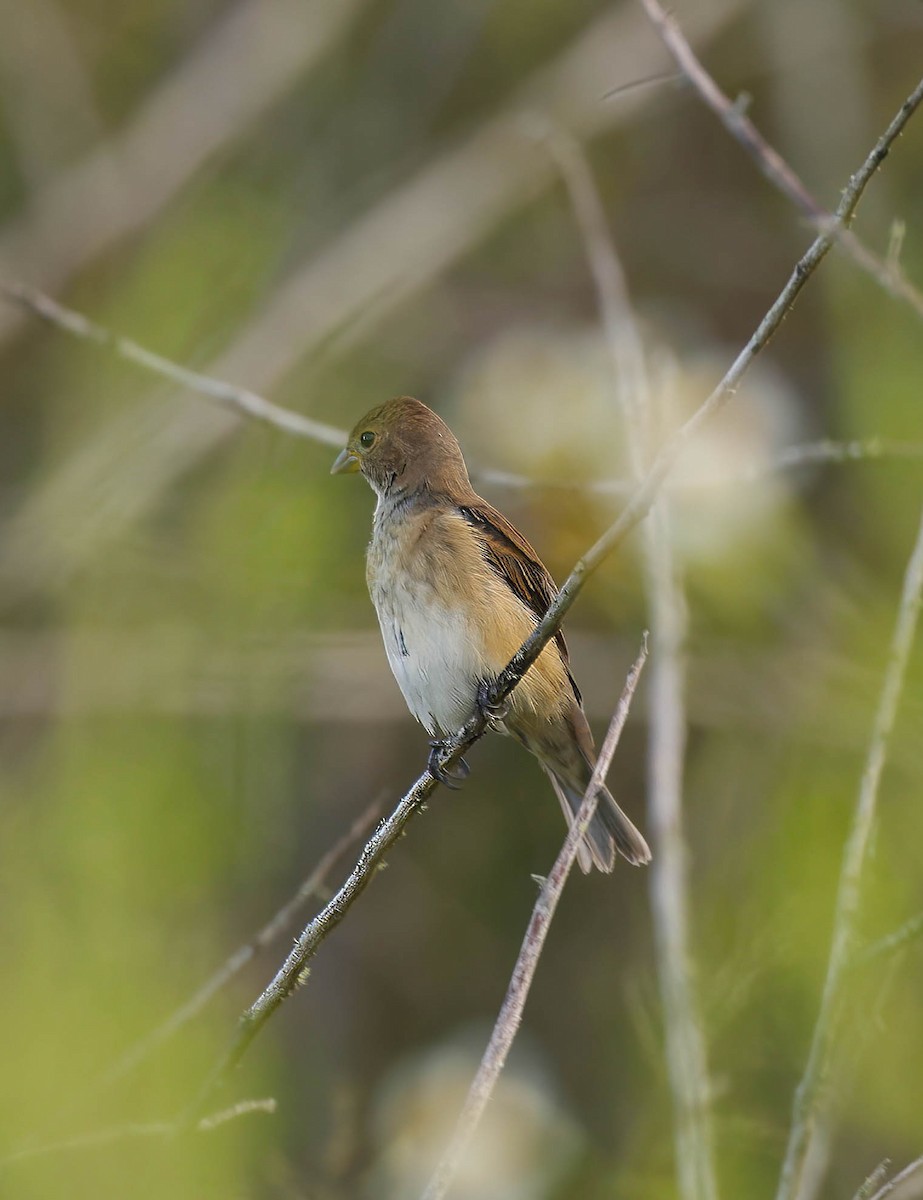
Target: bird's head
x,y
403,445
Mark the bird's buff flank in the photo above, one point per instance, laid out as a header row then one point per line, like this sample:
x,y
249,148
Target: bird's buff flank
x,y
457,590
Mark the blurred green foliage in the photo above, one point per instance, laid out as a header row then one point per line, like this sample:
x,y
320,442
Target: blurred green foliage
x,y
194,704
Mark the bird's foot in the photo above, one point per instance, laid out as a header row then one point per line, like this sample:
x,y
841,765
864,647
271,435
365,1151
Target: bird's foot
x,y
493,711
450,777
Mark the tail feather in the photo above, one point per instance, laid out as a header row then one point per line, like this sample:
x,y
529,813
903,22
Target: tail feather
x,y
627,837
610,830
588,853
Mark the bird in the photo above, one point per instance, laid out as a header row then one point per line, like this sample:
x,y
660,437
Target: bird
x,y
457,589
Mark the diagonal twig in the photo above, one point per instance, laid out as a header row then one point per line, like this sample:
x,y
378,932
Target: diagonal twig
x,y
789,458
510,1015
241,400
871,1183
309,887
891,942
893,1185
186,1012
293,971
146,1129
886,271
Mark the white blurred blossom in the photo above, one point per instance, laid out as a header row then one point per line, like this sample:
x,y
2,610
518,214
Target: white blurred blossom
x,y
542,401
521,1150
538,400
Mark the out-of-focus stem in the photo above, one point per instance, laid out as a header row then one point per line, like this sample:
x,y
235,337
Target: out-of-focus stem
x,y
808,1106
684,1037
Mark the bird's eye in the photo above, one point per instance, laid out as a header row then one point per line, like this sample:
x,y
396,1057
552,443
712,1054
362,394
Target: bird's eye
x,y
366,439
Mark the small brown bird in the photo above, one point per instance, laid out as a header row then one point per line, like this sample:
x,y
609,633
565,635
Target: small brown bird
x,y
457,590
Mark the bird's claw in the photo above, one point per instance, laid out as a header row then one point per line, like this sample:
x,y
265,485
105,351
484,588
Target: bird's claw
x,y
450,777
493,712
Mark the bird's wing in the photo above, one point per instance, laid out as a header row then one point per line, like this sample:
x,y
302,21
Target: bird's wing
x,y
510,557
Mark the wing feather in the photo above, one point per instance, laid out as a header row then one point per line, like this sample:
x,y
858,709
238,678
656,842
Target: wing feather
x,y
513,560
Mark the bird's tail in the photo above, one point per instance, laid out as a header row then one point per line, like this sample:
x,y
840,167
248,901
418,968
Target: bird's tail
x,y
610,829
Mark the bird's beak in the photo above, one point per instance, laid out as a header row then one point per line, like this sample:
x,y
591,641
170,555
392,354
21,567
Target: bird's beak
x,y
346,463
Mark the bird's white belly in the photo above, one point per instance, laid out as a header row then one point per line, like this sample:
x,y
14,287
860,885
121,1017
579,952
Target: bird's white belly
x,y
436,656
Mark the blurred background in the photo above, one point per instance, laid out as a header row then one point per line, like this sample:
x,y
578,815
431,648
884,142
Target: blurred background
x,y
333,203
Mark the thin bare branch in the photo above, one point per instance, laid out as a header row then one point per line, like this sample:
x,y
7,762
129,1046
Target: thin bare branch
x,y
894,1187
146,1129
293,971
887,270
732,115
241,1109
892,942
510,1015
872,1182
808,1096
790,458
808,454
241,400
277,924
